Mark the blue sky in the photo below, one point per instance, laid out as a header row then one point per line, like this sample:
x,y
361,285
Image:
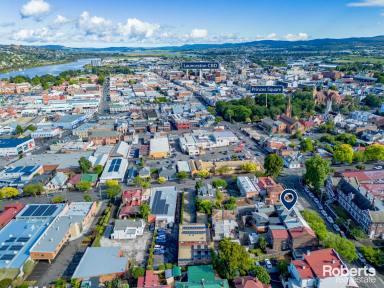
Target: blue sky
x,y
80,23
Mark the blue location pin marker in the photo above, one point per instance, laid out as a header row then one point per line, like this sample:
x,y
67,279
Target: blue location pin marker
x,y
288,198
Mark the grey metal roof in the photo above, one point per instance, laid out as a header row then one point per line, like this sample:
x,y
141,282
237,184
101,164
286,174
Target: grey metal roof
x,y
163,200
110,258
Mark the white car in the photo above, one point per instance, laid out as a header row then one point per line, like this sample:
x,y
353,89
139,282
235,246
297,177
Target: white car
x,y
336,227
330,220
268,264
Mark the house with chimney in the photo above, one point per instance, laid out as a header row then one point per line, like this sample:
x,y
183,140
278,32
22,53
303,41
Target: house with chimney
x,y
313,271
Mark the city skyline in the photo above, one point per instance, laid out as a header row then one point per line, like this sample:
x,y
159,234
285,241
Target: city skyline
x,y
163,23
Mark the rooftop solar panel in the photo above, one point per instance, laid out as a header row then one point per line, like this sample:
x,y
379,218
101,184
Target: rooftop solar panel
x,y
40,211
4,247
7,257
22,239
30,210
50,210
11,239
16,247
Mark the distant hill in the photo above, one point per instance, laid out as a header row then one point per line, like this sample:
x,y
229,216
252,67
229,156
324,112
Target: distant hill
x,y
326,43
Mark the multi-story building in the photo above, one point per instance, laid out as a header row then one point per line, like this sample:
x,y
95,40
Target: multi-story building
x,y
194,244
360,194
224,224
16,146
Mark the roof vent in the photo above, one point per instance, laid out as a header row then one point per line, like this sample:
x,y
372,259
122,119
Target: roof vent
x,y
303,267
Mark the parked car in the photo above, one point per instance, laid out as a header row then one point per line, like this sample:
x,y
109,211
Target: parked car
x,y
268,264
159,251
330,220
336,227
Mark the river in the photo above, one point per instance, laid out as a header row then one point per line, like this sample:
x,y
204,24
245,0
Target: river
x,y
55,69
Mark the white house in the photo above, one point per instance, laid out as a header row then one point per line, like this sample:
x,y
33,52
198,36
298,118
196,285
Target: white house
x,y
128,229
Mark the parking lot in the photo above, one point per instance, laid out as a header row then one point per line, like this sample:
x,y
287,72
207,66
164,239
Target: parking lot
x,y
135,249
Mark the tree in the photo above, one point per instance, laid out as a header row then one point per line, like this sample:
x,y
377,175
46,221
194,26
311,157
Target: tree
x,y
374,152
223,170
373,255
317,170
113,191
219,183
204,206
144,210
249,167
219,198
262,243
33,189
231,260
6,283
75,283
358,156
144,183
84,164
343,153
83,185
202,174
98,169
87,197
8,192
181,175
262,274
19,130
137,272
373,101
273,165
316,222
282,266
57,199
161,180
230,204
343,246
306,145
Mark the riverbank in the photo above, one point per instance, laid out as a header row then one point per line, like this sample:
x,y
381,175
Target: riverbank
x,y
53,68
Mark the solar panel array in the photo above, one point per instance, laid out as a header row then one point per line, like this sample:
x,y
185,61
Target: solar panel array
x,y
159,206
12,247
115,165
193,232
44,210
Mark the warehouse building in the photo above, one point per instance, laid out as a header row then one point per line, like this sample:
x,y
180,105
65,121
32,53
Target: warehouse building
x,y
16,146
19,235
113,264
114,170
163,204
247,187
159,147
69,224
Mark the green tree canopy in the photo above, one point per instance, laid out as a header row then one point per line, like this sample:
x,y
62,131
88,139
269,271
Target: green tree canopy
x,y
232,260
374,152
343,153
317,170
33,189
84,164
273,164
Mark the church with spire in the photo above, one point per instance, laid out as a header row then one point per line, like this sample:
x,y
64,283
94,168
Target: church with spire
x,y
289,124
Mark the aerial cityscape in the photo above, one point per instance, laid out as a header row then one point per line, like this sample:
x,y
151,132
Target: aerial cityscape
x,y
231,144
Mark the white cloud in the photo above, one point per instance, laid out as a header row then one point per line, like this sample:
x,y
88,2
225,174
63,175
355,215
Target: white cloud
x,y
199,33
31,35
35,8
94,24
134,27
367,3
296,37
60,19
